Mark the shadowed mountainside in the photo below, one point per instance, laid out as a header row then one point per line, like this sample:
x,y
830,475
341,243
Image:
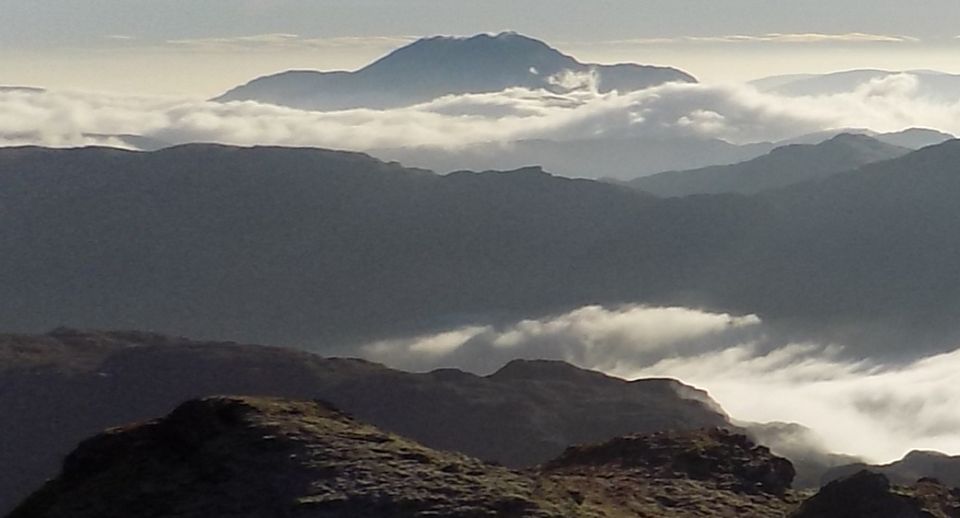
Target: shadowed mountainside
x,y
433,67
325,249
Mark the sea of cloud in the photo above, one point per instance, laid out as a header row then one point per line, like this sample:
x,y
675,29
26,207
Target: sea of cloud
x,y
857,406
733,112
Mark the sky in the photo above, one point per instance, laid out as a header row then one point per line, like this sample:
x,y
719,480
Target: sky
x,y
201,48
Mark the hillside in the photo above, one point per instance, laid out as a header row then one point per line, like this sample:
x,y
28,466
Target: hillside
x,y
319,248
325,249
781,167
433,67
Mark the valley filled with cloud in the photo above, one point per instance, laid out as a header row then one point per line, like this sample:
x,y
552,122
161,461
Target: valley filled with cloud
x,y
736,113
872,408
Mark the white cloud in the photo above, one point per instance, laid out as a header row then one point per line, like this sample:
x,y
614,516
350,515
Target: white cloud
x,y
609,339
774,37
860,407
285,41
432,346
733,112
880,412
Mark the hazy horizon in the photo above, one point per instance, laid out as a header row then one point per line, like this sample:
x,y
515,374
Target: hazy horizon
x,y
207,66
200,50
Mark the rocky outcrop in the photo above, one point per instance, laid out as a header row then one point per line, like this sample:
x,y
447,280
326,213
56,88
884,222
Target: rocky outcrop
x,y
868,494
727,460
248,457
265,457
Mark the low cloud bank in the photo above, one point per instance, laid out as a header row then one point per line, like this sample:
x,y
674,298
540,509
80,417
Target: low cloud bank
x,y
858,407
737,113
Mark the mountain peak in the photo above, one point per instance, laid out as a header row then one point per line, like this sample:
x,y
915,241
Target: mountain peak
x,y
436,66
542,370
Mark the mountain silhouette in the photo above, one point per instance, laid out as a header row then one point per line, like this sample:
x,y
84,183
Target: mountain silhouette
x,y
781,167
433,67
911,138
610,158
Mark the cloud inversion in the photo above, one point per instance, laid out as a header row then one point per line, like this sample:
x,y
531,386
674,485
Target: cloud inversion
x,y
857,406
732,112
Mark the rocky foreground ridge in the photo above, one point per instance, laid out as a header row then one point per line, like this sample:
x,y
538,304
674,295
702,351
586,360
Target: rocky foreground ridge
x,y
67,385
267,457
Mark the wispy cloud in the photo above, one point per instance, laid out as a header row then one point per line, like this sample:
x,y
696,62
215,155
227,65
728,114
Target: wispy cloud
x,y
786,38
856,406
282,41
611,339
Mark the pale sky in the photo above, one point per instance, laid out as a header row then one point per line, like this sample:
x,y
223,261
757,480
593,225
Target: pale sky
x,y
202,47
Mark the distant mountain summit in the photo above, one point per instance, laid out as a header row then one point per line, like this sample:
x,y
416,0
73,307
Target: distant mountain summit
x,y
433,67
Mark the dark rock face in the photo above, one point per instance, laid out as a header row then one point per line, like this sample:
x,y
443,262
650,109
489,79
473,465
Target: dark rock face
x,y
868,494
67,385
249,457
731,461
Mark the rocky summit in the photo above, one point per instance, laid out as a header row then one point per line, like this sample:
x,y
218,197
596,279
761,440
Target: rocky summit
x,y
266,457
730,461
247,457
708,473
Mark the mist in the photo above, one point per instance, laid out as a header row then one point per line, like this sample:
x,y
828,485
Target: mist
x,y
733,112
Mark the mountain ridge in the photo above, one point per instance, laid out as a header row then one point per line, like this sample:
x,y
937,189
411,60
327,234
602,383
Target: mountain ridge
x,y
242,456
254,456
